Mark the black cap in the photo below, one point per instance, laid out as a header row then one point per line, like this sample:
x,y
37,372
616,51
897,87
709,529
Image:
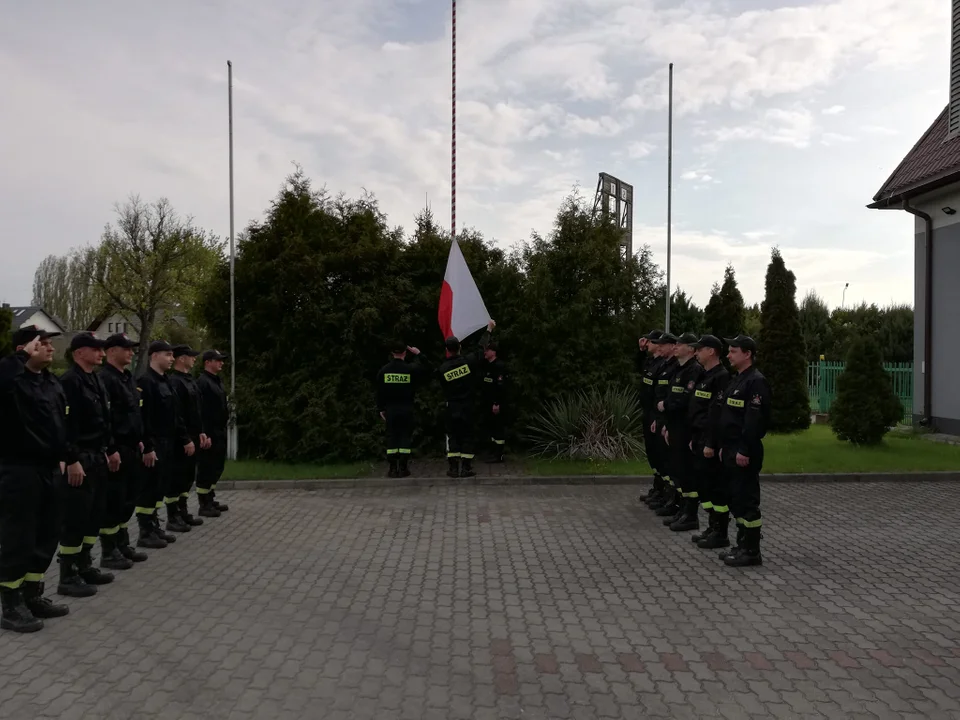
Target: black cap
x,y
688,338
214,355
451,343
159,346
744,342
493,345
120,340
653,335
86,340
711,341
181,350
666,339
398,346
24,335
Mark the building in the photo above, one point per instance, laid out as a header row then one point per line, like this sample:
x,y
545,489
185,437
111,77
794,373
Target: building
x,y
107,325
33,315
927,185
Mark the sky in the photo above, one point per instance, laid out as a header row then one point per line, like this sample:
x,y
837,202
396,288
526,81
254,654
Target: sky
x,y
788,117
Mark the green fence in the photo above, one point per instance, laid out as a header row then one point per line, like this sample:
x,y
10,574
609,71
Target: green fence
x,y
822,384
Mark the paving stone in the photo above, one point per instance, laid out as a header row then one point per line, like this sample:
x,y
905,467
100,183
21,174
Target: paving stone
x,y
528,601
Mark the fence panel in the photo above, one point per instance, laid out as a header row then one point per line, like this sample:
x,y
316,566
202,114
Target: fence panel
x,y
822,385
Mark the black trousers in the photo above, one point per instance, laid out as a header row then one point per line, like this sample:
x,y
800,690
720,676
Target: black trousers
x,y
652,444
494,428
744,483
713,486
210,465
30,520
156,480
185,472
681,464
124,488
399,430
84,506
459,420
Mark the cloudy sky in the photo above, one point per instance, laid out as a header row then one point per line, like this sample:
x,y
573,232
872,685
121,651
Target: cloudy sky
x,y
790,114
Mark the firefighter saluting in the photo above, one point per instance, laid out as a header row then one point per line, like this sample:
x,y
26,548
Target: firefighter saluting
x,y
397,384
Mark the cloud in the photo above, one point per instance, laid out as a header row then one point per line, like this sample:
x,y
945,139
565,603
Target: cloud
x,y
639,150
792,127
833,110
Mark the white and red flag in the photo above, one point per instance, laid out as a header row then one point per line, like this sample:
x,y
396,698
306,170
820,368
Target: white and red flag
x,y
462,311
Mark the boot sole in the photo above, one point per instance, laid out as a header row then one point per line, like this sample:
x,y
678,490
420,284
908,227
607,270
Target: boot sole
x,y
684,528
28,628
41,615
90,591
117,566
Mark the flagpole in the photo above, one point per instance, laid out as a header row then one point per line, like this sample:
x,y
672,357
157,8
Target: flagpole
x,y
453,125
232,449
666,327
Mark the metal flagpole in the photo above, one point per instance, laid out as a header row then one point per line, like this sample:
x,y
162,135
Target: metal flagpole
x,y
666,326
232,444
453,127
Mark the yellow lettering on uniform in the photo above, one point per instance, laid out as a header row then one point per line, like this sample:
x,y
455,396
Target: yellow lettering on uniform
x,y
664,382
488,379
141,402
732,402
396,379
677,388
648,381
703,394
68,410
457,373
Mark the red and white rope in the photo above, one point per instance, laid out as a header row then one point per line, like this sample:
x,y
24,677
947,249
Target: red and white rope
x,y
453,131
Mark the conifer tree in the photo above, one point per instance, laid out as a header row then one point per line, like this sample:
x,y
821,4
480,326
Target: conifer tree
x,y
866,405
725,314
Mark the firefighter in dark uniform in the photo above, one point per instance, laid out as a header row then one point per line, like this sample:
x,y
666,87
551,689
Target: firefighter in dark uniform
x,y
493,394
32,448
397,384
704,412
123,484
743,423
216,416
459,377
164,436
647,363
89,435
678,434
188,399
668,504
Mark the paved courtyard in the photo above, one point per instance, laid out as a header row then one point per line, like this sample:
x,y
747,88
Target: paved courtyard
x,y
515,602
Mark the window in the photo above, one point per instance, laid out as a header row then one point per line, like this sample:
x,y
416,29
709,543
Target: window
x,y
110,327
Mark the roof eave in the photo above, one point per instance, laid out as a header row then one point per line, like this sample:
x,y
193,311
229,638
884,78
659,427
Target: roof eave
x,y
936,182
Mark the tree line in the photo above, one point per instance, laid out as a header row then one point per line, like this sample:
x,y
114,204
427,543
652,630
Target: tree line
x,y
324,282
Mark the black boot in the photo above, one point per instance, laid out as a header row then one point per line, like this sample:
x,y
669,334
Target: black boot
x,y
453,469
496,454
394,470
39,606
185,514
174,522
711,526
404,470
148,534
749,551
90,574
466,468
71,583
206,506
664,497
123,545
690,519
16,615
718,537
669,507
218,505
110,557
735,550
167,537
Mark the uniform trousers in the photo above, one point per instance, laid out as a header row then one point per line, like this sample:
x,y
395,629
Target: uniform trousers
x,y
681,464
85,505
156,480
211,463
744,484
124,488
495,426
399,429
713,485
459,421
184,472
30,521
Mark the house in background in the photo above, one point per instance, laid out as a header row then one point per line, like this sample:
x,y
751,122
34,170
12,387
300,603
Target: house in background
x,y
107,325
926,184
33,315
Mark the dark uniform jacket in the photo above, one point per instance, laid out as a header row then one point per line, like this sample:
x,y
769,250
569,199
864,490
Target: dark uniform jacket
x,y
161,417
705,404
88,414
188,403
494,383
661,388
124,400
460,375
33,409
677,404
745,413
648,366
397,382
214,410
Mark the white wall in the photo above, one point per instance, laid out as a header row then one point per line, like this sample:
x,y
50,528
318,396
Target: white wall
x,y
41,320
116,324
933,204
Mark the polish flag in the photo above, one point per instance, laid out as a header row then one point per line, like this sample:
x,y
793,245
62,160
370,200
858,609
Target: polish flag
x,y
462,311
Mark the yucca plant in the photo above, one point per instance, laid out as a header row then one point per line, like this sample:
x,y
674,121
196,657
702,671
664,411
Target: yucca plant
x,y
594,424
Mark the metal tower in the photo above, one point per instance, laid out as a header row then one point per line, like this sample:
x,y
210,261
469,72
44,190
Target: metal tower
x,y
611,191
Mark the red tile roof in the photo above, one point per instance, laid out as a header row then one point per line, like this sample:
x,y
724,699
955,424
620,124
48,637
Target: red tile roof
x,y
929,163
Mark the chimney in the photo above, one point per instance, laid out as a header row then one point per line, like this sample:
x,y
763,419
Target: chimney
x,y
6,306
953,115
